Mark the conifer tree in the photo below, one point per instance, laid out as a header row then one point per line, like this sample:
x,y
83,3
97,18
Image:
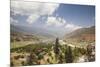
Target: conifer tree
x,y
68,55
56,47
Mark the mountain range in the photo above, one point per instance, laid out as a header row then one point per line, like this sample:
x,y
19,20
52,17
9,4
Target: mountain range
x,y
31,31
82,34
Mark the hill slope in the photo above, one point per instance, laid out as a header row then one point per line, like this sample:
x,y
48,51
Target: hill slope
x,y
82,34
31,30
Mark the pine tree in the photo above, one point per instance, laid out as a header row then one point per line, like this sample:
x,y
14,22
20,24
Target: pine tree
x,y
56,47
68,55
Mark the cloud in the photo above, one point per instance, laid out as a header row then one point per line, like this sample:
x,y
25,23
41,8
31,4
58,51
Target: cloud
x,y
13,20
33,9
55,21
61,23
32,18
72,27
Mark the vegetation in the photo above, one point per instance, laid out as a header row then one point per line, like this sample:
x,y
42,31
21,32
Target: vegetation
x,y
68,55
30,50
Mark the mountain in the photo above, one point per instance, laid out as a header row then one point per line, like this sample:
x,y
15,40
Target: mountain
x,y
31,30
82,34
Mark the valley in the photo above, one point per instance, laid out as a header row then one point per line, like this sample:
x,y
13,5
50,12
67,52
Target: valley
x,y
29,49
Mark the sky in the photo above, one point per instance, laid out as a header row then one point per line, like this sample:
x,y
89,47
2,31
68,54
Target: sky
x,y
53,17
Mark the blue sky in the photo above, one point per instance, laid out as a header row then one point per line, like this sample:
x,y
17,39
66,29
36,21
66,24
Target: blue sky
x,y
52,16
78,14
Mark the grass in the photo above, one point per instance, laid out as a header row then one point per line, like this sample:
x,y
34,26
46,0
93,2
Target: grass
x,y
20,44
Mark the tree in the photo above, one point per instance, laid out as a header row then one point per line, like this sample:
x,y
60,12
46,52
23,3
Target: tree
x,y
30,59
60,59
56,47
91,53
68,55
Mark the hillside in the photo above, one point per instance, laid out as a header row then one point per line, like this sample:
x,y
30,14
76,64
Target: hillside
x,y
82,34
31,30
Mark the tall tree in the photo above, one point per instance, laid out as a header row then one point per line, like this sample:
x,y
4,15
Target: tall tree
x,y
56,47
30,59
68,55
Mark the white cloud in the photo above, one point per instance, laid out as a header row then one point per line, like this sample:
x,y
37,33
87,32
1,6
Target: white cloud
x,y
31,8
72,27
55,21
32,18
13,20
62,23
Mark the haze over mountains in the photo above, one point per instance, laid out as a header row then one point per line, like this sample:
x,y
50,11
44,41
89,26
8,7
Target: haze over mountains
x,y
31,30
49,34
